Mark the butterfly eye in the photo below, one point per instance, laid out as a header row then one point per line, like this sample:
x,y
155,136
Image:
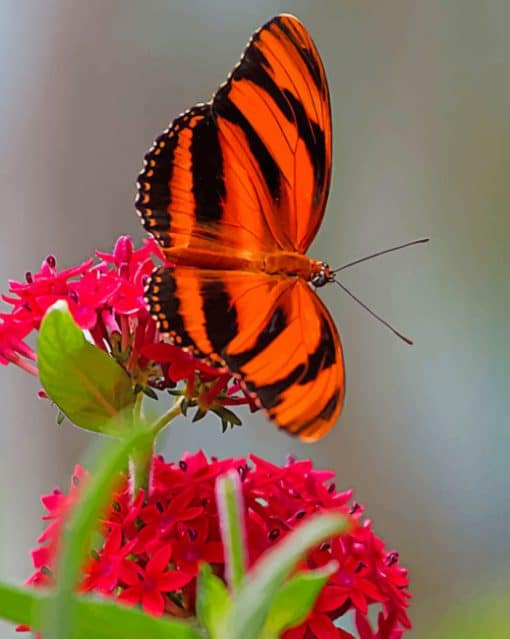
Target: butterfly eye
x,y
323,276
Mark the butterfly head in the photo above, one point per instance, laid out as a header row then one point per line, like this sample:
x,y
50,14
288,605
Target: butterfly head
x,y
322,275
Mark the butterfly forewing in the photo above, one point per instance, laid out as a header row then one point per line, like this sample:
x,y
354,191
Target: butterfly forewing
x,y
250,170
191,190
277,101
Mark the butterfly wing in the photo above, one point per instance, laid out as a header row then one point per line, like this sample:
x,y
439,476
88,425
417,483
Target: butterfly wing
x,y
273,332
276,101
193,194
248,172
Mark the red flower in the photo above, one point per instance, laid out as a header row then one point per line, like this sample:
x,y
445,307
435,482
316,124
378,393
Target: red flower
x,y
153,544
198,542
161,519
106,568
125,511
386,627
43,289
58,505
181,364
89,295
147,585
131,269
12,347
107,300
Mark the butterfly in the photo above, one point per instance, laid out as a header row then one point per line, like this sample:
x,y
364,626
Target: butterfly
x,y
234,192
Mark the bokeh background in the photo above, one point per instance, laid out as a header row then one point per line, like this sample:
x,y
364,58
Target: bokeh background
x,y
421,109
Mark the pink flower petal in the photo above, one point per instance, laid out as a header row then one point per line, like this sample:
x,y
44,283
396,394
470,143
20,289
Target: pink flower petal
x,y
130,596
153,603
174,580
159,561
322,627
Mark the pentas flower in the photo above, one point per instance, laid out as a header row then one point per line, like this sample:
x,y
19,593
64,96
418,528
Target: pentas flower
x,y
153,544
106,299
386,627
40,290
148,585
12,347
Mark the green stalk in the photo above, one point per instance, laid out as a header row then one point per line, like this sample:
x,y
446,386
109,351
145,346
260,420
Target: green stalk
x,y
141,459
165,419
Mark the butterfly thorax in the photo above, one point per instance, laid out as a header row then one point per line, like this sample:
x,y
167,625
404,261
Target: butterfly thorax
x,y
297,265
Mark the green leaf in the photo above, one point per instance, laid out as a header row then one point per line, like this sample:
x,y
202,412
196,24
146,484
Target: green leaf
x,y
109,620
19,605
233,534
84,382
94,618
253,601
213,602
185,404
82,524
199,414
295,600
228,418
150,392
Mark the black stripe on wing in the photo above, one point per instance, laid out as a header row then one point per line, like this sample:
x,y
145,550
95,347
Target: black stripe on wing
x,y
274,327
305,51
162,299
269,169
155,200
313,137
322,358
207,169
324,414
220,315
153,197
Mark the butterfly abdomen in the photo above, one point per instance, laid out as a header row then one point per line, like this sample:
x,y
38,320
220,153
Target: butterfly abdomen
x,y
286,263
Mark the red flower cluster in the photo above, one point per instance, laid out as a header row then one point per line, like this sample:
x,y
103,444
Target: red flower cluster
x,y
106,300
153,544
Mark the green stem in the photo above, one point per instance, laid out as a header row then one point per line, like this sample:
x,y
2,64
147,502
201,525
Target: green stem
x,y
140,461
165,419
138,408
139,468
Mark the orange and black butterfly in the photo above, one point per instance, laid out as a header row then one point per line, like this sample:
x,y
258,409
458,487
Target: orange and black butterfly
x,y
234,191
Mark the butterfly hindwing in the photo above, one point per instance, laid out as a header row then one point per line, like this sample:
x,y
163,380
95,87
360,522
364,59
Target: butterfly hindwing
x,y
272,331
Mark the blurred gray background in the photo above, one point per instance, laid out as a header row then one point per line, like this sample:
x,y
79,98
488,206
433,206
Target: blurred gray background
x,y
421,109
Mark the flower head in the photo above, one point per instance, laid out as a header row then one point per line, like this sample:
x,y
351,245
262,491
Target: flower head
x,y
153,545
106,299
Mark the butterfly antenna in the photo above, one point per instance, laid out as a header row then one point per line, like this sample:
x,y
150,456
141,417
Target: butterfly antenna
x,y
373,314
422,240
